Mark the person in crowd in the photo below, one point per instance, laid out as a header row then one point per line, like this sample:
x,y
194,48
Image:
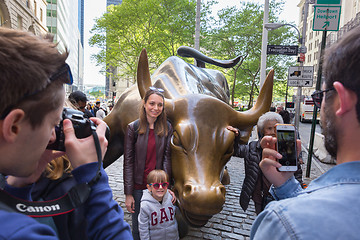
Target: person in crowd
x,y
256,185
96,107
33,73
79,99
157,212
102,112
328,208
279,108
146,147
285,116
110,106
90,108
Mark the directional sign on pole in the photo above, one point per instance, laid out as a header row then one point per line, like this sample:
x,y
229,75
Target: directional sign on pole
x,y
328,2
301,76
326,18
282,49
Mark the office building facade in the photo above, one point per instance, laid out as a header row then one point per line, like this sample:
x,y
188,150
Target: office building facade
x,y
63,21
26,15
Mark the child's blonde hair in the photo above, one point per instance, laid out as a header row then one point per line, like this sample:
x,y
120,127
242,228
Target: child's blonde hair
x,y
157,175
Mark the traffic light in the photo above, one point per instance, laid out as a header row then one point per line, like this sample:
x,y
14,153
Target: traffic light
x,y
290,105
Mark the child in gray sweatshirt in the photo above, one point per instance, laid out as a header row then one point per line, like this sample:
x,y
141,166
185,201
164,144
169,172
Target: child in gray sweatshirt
x,y
157,213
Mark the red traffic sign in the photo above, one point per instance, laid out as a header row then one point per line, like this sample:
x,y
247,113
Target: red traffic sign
x,y
302,57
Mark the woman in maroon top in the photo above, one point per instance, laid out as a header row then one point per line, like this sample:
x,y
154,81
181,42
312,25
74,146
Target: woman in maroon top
x,y
147,147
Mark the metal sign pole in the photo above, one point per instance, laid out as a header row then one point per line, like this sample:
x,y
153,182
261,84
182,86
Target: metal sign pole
x,y
299,90
318,86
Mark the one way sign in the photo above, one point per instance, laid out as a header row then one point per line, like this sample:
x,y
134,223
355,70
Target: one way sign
x,y
301,76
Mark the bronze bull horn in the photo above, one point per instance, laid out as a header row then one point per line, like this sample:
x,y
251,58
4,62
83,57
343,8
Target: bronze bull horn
x,y
143,73
263,103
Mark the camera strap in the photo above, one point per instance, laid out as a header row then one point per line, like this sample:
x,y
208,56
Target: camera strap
x,y
63,205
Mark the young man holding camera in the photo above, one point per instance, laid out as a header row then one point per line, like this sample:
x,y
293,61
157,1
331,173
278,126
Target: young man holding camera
x,y
32,74
329,208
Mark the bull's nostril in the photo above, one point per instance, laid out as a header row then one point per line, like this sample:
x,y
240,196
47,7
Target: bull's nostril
x,y
222,190
187,189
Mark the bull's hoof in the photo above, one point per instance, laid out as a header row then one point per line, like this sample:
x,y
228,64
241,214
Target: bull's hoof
x,y
225,180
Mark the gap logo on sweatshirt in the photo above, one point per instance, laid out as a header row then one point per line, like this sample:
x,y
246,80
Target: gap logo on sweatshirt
x,y
164,217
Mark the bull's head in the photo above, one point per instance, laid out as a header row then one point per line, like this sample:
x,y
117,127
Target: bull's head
x,y
201,145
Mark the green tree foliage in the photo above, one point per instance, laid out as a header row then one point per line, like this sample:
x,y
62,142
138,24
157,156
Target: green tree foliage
x,y
160,26
238,32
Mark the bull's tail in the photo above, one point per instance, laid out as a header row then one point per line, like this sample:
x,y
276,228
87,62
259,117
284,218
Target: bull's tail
x,y
201,59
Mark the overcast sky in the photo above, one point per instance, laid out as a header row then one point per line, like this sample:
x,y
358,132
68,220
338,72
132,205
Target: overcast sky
x,y
95,9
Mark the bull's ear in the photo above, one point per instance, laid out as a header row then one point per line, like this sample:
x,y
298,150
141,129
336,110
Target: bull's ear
x,y
263,103
169,108
143,73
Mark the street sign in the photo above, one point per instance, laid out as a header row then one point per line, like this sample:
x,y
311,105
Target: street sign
x,y
300,76
302,57
328,2
326,18
282,49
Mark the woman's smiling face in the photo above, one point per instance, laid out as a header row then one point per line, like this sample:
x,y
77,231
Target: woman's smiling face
x,y
154,106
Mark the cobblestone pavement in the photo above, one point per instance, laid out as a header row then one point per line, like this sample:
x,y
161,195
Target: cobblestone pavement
x,y
232,222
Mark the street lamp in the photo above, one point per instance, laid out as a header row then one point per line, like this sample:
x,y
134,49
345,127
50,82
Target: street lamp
x,y
273,26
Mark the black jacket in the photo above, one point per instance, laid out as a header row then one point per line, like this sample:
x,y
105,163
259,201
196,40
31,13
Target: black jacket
x,y
252,154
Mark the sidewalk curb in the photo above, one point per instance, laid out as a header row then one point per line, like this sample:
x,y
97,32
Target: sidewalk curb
x,y
313,159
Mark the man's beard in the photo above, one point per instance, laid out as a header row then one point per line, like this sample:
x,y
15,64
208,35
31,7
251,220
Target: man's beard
x,y
329,131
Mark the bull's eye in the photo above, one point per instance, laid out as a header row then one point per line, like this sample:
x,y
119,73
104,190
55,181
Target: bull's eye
x,y
176,140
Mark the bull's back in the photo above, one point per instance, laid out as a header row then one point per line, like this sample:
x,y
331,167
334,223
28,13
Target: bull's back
x,y
179,78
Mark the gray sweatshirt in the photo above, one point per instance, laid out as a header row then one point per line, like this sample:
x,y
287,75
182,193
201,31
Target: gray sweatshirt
x,y
157,220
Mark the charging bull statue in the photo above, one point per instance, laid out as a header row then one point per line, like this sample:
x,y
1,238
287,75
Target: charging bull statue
x,y
196,103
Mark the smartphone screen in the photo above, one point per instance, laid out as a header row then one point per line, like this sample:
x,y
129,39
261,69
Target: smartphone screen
x,y
286,146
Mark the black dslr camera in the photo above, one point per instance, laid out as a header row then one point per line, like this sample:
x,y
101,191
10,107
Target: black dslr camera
x,y
83,128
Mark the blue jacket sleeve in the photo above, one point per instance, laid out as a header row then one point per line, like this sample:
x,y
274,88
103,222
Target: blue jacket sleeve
x,y
291,188
105,216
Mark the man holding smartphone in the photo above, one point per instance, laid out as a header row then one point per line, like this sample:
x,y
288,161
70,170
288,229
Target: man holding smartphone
x,y
329,208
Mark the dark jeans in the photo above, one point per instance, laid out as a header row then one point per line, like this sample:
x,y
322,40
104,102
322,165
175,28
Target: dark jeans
x,y
135,225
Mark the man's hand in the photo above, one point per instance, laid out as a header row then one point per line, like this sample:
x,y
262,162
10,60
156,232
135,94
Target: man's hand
x,y
130,203
83,151
269,163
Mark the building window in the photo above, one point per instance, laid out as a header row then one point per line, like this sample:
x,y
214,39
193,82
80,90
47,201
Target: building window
x,y
35,8
2,21
19,22
51,13
41,15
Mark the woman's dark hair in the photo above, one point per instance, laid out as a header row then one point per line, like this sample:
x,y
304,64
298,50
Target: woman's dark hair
x,y
160,127
285,115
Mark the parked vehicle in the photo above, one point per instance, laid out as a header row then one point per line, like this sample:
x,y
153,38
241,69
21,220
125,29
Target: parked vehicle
x,y
306,111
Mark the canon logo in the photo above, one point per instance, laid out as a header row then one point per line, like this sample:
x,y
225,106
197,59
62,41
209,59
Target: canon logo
x,y
23,208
